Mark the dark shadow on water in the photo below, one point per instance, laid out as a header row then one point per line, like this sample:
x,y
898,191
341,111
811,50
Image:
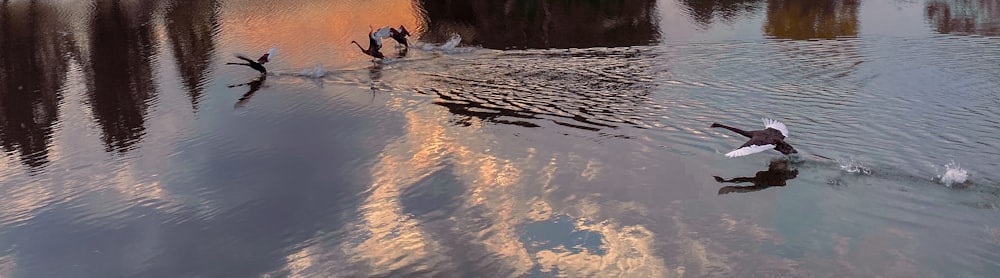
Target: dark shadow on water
x,y
470,110
542,24
402,52
121,84
434,197
778,172
812,19
254,87
33,69
191,27
978,17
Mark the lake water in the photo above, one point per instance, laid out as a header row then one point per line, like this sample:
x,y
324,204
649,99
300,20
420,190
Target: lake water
x,y
556,138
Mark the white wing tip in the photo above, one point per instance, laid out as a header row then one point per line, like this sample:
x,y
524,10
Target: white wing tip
x,y
769,123
381,33
752,149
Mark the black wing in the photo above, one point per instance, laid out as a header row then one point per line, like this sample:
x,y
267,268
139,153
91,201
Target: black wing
x,y
244,58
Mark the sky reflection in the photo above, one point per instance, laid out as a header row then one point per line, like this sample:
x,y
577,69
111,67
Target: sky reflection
x,y
580,149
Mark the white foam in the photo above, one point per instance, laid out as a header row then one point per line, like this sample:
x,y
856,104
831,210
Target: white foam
x,y
853,166
317,72
446,46
953,174
452,42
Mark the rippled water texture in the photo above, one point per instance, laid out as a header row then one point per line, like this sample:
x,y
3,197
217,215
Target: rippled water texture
x,y
512,139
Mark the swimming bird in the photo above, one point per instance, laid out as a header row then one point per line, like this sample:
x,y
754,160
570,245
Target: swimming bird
x,y
374,43
771,137
257,65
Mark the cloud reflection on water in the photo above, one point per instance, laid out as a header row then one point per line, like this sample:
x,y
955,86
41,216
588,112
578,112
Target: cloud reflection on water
x,y
431,145
451,194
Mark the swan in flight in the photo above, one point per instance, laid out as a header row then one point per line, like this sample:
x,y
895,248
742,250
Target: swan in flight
x,y
257,65
397,34
771,137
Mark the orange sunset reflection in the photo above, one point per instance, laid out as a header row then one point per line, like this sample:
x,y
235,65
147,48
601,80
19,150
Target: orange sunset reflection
x,y
312,32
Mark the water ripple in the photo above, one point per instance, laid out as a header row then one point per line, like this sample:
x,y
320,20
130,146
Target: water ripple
x,y
591,89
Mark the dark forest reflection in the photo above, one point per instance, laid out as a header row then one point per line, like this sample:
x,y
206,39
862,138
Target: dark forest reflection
x,y
542,24
980,17
33,67
811,19
706,12
122,84
191,26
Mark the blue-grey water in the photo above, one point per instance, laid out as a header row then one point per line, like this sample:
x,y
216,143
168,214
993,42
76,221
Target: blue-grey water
x,y
556,138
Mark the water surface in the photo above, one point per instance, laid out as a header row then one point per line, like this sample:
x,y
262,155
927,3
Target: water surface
x,y
555,139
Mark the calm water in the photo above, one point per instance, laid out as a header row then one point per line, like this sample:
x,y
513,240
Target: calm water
x,y
555,139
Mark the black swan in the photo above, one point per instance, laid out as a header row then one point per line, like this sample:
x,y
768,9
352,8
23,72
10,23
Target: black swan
x,y
400,35
771,137
374,44
397,34
257,65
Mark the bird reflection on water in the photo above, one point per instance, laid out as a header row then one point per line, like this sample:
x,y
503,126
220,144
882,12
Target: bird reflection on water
x,y
254,87
375,78
778,172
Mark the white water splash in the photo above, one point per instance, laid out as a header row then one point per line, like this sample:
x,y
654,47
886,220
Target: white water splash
x,y
317,72
452,42
447,46
853,166
992,234
953,174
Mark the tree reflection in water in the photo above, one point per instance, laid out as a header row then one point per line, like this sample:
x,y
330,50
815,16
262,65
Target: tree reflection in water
x,y
33,68
190,28
980,17
706,12
121,82
542,24
811,19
